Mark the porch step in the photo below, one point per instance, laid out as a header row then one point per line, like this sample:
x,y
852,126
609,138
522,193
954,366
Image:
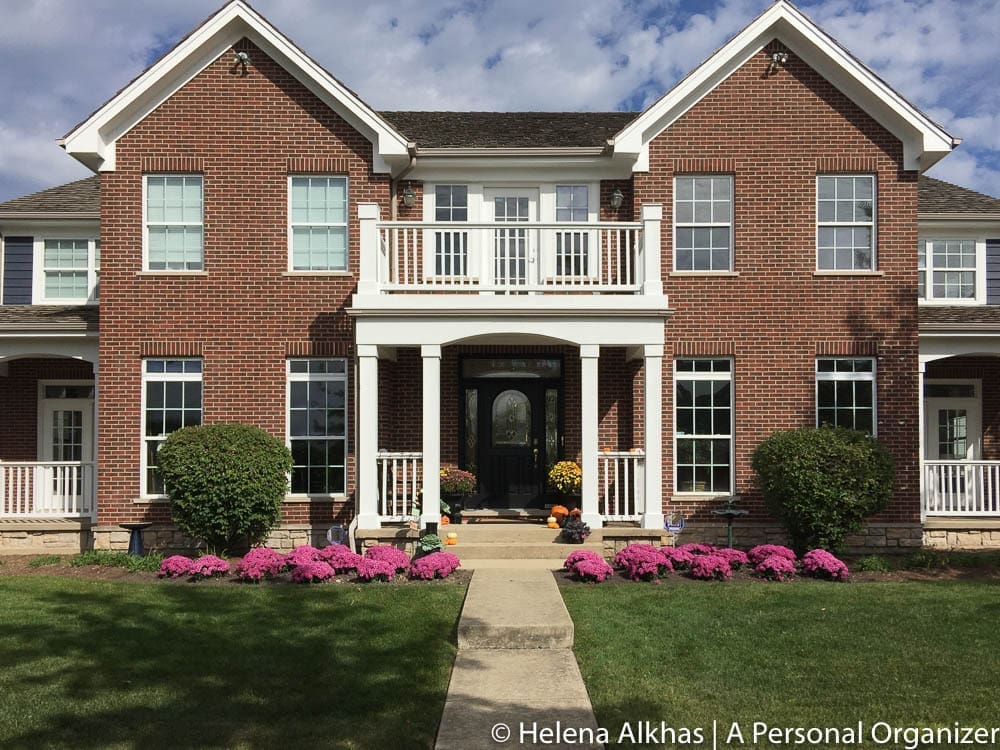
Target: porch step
x,y
511,551
530,533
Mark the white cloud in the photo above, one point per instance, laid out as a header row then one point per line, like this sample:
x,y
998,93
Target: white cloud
x,y
60,59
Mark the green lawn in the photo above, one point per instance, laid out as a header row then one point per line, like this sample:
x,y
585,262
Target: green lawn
x,y
88,664
806,654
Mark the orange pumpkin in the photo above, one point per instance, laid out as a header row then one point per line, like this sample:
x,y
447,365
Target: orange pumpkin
x,y
445,520
576,512
451,540
559,512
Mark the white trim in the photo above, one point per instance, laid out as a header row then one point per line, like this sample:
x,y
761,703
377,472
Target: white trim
x,y
710,224
729,377
866,377
958,235
93,141
38,296
924,142
872,224
290,225
145,225
162,377
308,377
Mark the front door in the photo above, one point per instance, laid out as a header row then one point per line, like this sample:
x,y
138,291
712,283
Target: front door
x,y
514,250
512,444
952,423
65,436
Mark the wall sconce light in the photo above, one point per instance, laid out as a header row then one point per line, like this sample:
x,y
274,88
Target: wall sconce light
x,y
409,197
242,59
777,58
617,198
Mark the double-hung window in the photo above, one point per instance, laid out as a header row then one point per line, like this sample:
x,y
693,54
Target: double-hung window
x,y
845,223
703,425
572,248
317,425
70,268
171,400
703,223
318,223
451,248
952,268
174,223
845,393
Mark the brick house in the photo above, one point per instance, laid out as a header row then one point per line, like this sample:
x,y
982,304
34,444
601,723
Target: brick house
x,y
647,293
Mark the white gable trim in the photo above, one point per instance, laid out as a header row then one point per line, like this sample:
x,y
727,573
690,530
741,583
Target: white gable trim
x,y
93,141
924,142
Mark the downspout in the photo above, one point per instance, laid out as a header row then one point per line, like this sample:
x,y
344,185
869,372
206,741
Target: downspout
x,y
411,149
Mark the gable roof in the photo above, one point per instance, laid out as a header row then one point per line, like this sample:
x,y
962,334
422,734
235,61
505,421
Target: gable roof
x,y
509,129
93,140
77,200
924,141
940,197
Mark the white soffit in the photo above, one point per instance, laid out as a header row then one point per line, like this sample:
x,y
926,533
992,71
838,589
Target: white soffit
x,y
924,142
93,141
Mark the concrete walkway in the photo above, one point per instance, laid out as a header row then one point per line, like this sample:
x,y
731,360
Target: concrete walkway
x,y
515,675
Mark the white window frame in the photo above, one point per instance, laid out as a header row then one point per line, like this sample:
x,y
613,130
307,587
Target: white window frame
x,y
730,225
593,237
93,269
870,377
67,403
145,224
926,240
873,225
730,377
162,377
306,377
470,238
346,224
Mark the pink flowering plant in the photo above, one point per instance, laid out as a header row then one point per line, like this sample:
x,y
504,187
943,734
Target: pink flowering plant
x,y
775,568
710,567
736,558
398,559
376,569
340,557
209,566
434,565
679,557
315,571
175,566
643,562
819,563
697,549
761,552
260,563
304,553
591,570
581,554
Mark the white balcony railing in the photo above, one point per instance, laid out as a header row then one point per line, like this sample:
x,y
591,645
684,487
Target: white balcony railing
x,y
400,481
961,488
620,482
47,489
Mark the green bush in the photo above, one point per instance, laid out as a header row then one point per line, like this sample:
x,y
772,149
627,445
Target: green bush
x,y
226,483
44,561
873,564
823,482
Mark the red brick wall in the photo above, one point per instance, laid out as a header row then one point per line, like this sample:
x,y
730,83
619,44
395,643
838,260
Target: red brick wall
x,y
244,315
775,134
987,370
19,401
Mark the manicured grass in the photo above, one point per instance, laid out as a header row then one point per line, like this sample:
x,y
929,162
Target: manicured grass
x,y
89,664
805,654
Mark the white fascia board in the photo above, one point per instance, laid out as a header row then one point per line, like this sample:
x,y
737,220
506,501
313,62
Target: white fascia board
x,y
526,169
472,305
93,141
924,141
958,222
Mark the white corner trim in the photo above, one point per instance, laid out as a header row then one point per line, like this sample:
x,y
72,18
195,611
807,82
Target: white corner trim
x,y
924,141
92,142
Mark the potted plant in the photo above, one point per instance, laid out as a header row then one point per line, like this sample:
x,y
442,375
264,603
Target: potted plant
x,y
414,522
456,485
575,531
565,478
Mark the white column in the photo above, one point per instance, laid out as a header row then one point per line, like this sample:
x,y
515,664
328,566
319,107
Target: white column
x,y
652,282
90,483
921,369
430,507
369,248
369,516
588,428
652,430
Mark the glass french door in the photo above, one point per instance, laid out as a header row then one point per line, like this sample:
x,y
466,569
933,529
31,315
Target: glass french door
x,y
513,249
65,436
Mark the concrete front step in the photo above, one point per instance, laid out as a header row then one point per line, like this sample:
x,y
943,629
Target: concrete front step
x,y
514,551
502,532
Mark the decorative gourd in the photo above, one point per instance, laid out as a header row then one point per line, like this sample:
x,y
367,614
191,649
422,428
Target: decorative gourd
x,y
551,522
451,538
559,512
445,520
576,512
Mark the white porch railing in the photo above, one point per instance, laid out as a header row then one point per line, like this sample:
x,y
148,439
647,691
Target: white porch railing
x,y
621,478
47,489
400,481
961,488
510,257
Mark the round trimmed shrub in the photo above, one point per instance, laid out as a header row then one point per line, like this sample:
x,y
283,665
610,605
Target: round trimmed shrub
x,y
823,482
226,482
711,567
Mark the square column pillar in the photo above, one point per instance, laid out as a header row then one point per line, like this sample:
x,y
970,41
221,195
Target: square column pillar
x,y
367,492
921,371
652,430
588,428
430,507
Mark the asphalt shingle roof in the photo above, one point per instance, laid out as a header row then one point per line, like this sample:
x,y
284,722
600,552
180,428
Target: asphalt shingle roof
x,y
955,317
940,197
508,129
61,317
82,196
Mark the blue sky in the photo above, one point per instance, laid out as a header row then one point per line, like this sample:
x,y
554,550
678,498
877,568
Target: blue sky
x,y
60,59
